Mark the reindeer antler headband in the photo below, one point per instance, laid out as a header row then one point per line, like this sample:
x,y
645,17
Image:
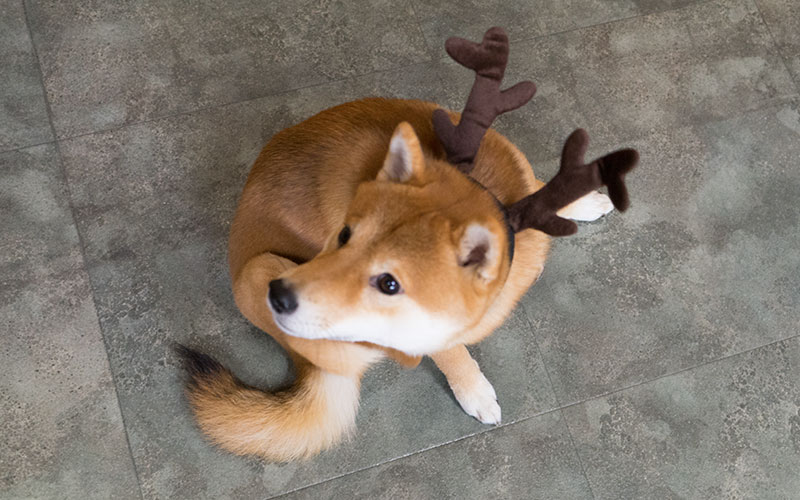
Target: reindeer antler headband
x,y
486,101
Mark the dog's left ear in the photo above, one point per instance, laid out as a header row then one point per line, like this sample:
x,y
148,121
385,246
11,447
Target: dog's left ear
x,y
479,251
404,161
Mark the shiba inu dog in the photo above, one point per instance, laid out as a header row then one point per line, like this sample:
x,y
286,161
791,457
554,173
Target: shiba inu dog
x,y
356,239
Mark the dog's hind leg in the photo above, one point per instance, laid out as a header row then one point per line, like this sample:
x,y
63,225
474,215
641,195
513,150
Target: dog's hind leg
x,y
473,391
250,289
588,208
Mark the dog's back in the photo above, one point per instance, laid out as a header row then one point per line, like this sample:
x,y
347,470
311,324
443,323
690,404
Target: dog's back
x,y
303,181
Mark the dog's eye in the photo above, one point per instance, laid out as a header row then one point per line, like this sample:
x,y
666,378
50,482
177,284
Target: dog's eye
x,y
344,235
387,284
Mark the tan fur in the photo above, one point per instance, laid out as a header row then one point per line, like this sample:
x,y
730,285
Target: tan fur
x,y
306,182
297,423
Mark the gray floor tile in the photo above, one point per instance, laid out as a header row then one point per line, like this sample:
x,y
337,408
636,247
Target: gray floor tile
x,y
110,63
783,19
154,201
62,431
23,113
524,20
702,267
730,429
630,78
531,459
699,268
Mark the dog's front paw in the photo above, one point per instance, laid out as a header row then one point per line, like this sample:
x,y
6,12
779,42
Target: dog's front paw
x,y
479,401
588,208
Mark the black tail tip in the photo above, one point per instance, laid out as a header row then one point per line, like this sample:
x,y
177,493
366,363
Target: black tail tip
x,y
197,363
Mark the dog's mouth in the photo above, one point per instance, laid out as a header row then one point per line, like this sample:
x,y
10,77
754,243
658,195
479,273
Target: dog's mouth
x,y
281,320
294,332
291,325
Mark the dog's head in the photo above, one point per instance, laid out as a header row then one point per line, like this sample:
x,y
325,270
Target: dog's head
x,y
422,253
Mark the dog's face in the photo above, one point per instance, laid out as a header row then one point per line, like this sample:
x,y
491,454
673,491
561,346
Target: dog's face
x,y
421,255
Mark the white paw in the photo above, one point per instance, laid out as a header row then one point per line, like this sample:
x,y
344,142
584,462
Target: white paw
x,y
591,207
479,401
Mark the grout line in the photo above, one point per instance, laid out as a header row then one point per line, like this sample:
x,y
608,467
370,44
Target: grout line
x,y
430,49
16,150
555,396
241,101
82,246
576,452
420,451
777,47
606,23
432,59
678,372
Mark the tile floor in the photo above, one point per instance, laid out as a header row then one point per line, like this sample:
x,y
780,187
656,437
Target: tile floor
x,y
658,356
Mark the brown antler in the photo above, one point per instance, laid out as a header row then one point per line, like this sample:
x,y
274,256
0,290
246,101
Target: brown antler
x,y
488,59
573,180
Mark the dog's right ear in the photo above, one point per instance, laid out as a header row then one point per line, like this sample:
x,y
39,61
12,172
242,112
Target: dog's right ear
x,y
404,161
479,250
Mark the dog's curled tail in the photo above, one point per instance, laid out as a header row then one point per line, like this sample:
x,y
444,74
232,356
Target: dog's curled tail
x,y
312,415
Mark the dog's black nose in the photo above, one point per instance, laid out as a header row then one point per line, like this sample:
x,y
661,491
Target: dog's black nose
x,y
282,297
